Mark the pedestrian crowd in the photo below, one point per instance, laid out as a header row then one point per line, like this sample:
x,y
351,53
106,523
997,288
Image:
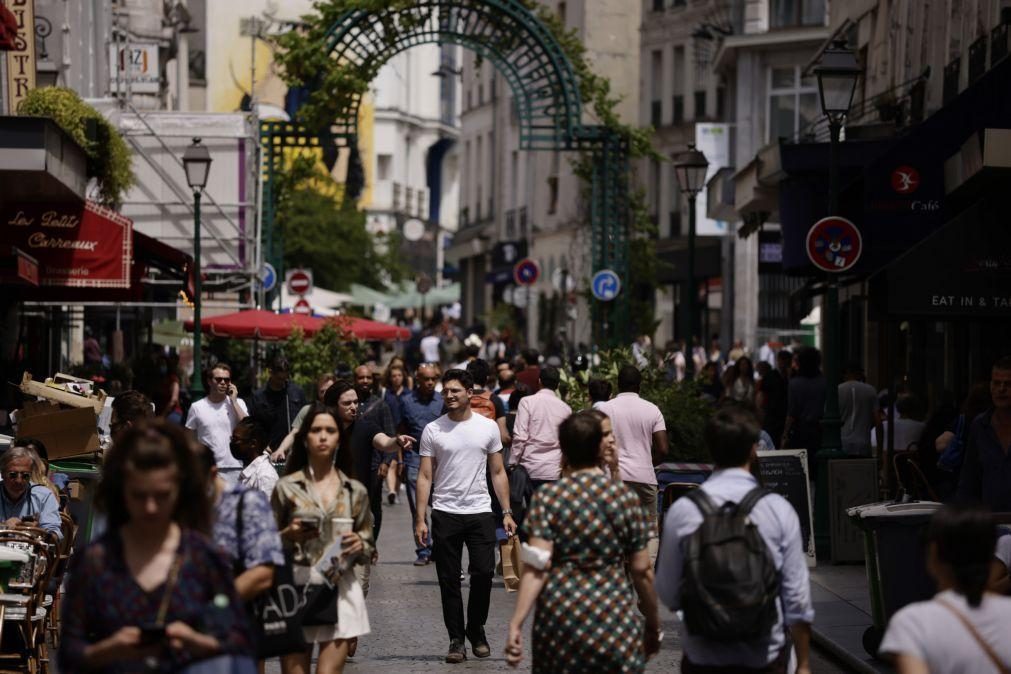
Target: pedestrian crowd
x,y
249,531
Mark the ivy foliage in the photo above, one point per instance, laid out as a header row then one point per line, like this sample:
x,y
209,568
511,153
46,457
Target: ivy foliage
x,y
305,62
326,233
108,156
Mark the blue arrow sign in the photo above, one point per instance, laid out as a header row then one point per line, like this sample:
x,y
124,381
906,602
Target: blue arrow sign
x,y
606,285
268,277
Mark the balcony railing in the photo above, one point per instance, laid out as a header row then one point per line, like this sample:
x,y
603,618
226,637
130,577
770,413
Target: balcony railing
x,y
952,71
977,58
998,44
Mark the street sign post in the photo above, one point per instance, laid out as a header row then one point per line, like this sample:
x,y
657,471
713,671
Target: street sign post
x,y
299,281
526,272
834,244
562,281
268,277
302,307
606,285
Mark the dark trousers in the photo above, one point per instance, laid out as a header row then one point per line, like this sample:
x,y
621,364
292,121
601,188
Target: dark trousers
x,y
449,534
376,503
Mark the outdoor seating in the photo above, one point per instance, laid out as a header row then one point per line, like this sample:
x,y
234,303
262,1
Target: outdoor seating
x,y
24,606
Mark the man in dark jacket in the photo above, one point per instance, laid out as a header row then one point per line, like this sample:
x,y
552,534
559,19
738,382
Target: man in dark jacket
x,y
276,405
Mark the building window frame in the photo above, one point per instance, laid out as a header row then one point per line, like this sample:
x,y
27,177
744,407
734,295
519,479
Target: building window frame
x,y
796,91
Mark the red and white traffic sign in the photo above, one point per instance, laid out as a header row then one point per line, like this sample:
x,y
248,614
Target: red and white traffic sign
x,y
302,307
526,272
834,244
299,281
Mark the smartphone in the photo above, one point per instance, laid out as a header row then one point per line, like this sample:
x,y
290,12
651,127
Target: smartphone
x,y
30,518
309,523
152,634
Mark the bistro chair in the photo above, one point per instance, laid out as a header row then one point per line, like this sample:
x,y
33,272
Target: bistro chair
x,y
22,607
65,550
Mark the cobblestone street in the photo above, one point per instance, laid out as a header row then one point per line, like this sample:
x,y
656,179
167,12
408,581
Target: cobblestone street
x,y
405,613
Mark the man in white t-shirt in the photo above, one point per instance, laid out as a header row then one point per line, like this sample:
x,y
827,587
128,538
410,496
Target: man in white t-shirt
x,y
457,451
214,418
429,346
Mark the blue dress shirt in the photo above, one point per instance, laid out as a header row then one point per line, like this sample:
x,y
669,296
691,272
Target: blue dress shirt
x,y
38,500
779,525
418,413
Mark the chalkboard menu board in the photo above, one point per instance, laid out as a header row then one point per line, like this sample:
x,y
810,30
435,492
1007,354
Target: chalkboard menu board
x,y
785,472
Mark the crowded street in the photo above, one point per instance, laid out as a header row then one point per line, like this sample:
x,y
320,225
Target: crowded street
x,y
560,336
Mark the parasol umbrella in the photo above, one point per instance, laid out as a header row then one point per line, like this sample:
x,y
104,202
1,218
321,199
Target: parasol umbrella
x,y
266,325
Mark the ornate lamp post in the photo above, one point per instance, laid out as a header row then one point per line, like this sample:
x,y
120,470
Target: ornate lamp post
x,y
197,162
690,168
837,72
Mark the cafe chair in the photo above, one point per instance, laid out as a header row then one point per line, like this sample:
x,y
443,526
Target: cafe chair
x,y
23,629
64,551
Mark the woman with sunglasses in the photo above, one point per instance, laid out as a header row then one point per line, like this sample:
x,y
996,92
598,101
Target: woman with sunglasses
x,y
153,593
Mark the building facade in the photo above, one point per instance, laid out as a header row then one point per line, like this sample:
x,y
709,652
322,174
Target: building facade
x,y
515,203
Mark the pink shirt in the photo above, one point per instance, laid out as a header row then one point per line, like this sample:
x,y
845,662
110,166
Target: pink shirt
x,y
535,435
634,421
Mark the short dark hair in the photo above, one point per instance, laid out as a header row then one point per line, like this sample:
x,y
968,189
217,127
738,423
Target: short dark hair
x,y
730,434
579,436
256,432
479,370
462,376
531,356
520,391
132,406
784,354
809,362
1003,363
205,456
280,364
599,390
965,536
550,377
471,351
629,379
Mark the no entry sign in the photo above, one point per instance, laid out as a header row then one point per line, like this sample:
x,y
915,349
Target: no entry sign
x,y
299,281
834,244
302,307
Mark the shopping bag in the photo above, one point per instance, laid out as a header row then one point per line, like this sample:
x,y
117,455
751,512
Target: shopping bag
x,y
277,616
512,566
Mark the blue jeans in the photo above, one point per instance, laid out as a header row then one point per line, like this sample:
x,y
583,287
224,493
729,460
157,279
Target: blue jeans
x,y
412,462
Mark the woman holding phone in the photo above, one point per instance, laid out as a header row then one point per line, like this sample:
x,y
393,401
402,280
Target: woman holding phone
x,y
153,593
317,505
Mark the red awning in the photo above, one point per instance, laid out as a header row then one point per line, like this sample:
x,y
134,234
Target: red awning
x,y
266,325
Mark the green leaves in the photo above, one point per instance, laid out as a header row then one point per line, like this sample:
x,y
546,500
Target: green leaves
x,y
109,159
325,233
312,356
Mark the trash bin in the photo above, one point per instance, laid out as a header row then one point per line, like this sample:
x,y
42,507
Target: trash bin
x,y
86,473
896,560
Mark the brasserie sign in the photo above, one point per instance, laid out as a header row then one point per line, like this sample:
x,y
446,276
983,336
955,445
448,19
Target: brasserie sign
x,y
84,246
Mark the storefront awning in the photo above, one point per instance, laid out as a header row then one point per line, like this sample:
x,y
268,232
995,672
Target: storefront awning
x,y
963,270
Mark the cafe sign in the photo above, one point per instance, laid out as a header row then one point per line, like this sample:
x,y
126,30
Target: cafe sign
x,y
21,59
85,246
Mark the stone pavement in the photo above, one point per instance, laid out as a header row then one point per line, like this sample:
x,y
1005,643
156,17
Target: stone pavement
x,y
405,613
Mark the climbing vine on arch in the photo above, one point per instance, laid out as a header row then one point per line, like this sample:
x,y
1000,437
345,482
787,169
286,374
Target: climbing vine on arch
x,y
334,87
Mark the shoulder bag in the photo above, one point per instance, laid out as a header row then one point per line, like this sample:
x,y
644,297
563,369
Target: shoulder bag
x,y
987,648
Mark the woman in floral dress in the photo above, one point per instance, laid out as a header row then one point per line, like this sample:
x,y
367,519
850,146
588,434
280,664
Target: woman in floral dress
x,y
586,618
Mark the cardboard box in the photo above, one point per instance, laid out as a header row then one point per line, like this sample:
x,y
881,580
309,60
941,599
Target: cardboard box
x,y
65,432
31,387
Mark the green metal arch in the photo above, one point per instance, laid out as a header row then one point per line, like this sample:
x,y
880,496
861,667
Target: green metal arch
x,y
544,85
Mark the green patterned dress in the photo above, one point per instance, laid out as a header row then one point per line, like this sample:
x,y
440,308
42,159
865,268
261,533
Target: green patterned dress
x,y
587,619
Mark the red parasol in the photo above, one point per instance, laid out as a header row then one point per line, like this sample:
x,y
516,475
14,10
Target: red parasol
x,y
266,325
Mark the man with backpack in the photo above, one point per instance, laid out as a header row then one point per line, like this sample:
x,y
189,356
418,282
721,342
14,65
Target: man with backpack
x,y
732,560
482,401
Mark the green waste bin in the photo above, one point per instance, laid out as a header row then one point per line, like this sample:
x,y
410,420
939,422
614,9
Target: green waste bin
x,y
83,511
896,560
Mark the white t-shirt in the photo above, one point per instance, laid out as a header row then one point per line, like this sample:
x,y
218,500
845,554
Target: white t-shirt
x,y
1003,552
929,631
430,349
213,424
459,451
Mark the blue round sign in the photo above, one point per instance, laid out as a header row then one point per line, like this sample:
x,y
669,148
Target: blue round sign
x,y
526,272
606,285
268,277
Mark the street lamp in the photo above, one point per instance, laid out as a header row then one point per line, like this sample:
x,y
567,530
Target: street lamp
x,y
838,71
690,168
197,162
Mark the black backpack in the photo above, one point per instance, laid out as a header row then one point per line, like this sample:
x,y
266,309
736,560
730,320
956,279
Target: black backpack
x,y
730,584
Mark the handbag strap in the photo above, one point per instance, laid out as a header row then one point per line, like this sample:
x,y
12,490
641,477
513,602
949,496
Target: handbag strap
x,y
238,566
987,648
170,585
